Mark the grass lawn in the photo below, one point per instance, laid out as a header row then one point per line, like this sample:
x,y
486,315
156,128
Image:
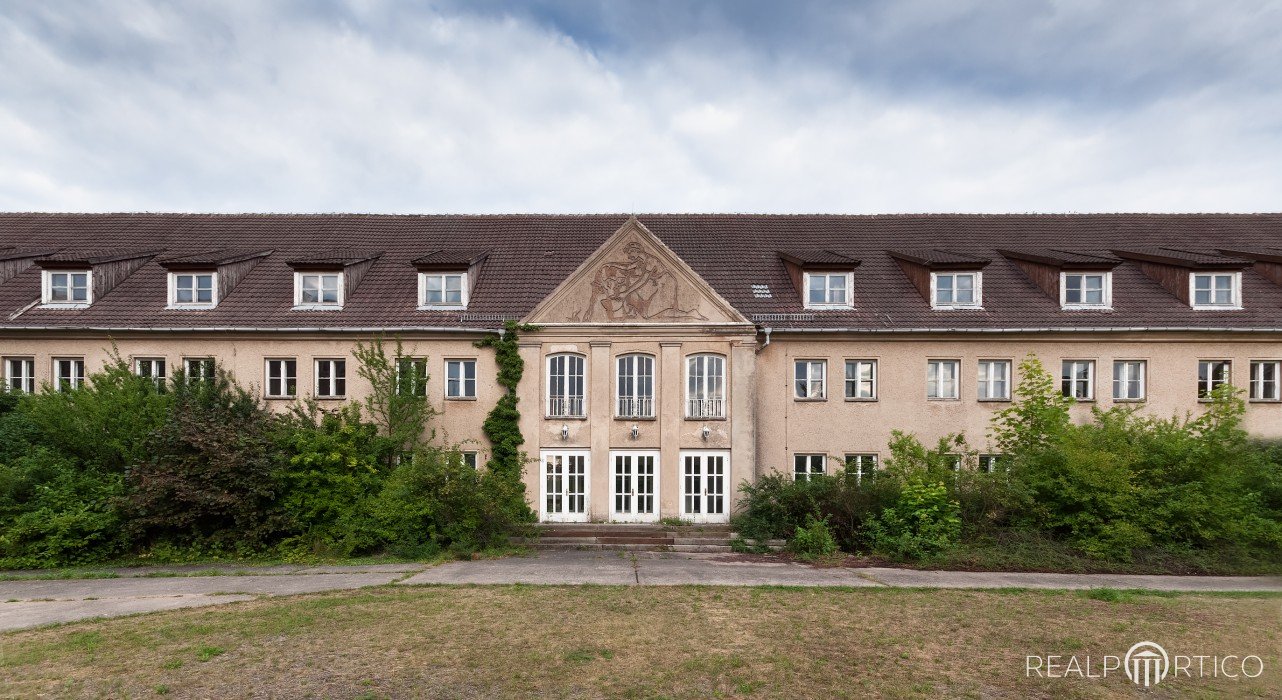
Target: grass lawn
x,y
641,642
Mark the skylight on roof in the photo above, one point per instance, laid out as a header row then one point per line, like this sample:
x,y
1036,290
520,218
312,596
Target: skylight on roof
x,y
762,291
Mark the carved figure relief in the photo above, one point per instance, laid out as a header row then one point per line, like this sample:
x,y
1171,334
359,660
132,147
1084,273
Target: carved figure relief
x,y
638,287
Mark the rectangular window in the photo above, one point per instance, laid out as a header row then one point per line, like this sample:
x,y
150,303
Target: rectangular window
x,y
151,367
994,380
460,379
192,289
198,369
953,462
941,379
1129,378
20,375
318,289
805,466
68,373
705,386
954,290
438,290
990,464
67,288
810,379
331,379
282,379
470,459
828,290
411,376
634,386
565,386
864,466
1077,379
1086,290
1264,380
1218,290
1211,375
861,380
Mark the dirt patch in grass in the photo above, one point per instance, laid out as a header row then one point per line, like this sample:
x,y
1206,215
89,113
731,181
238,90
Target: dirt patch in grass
x,y
639,642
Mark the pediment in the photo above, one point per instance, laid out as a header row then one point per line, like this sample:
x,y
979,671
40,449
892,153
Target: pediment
x,y
633,278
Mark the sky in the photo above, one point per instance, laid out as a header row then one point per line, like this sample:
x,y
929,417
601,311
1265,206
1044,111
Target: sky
x,y
612,106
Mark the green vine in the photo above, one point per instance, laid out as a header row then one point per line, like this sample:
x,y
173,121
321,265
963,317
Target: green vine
x,y
503,425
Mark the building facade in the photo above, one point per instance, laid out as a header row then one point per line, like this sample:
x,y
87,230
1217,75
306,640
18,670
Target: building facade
x,y
674,356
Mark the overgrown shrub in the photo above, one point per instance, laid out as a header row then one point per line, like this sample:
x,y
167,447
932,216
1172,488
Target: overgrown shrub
x,y
813,540
55,512
923,523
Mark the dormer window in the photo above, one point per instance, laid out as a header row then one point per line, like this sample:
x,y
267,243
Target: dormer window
x,y
193,290
955,290
69,289
828,290
318,290
1086,290
442,290
1216,290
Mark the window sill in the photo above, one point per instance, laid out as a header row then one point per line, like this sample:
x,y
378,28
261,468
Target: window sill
x,y
1084,307
191,307
956,308
641,418
800,399
330,398
1216,308
60,305
1264,400
856,399
280,398
719,418
943,398
438,307
1006,400
565,417
1130,400
829,307
317,307
460,398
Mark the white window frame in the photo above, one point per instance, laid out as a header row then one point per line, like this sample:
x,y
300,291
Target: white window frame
x,y
284,384
1235,291
858,379
978,303
565,403
809,381
857,460
46,289
173,291
1090,379
711,407
1106,291
467,387
989,462
201,375
986,382
1204,392
333,377
415,388
26,378
159,379
76,380
1119,381
470,458
424,305
939,382
641,403
810,458
1258,383
318,306
847,302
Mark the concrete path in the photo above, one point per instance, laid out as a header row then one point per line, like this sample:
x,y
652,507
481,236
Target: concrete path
x,y
30,603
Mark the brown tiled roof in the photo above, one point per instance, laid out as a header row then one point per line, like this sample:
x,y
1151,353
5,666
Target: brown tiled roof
x,y
1182,257
210,258
334,258
939,257
1067,259
446,258
531,254
818,258
74,256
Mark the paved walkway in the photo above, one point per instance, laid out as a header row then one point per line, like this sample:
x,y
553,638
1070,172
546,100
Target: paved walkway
x,y
38,602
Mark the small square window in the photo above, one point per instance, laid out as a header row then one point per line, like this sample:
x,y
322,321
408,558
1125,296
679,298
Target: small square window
x,y
991,464
470,458
864,466
318,290
805,466
941,379
460,379
199,369
861,380
1086,290
955,290
192,290
810,379
994,380
1211,375
331,379
438,291
71,289
152,368
828,290
282,378
1220,290
1077,379
1264,380
68,373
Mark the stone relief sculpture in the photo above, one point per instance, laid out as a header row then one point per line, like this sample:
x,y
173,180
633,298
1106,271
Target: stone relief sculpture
x,y
637,288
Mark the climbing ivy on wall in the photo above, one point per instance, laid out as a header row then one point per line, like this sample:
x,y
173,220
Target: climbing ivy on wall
x,y
503,425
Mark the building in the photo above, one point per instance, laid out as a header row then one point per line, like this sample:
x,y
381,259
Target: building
x,y
677,355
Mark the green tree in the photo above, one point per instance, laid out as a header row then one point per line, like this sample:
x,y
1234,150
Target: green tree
x,y
1038,416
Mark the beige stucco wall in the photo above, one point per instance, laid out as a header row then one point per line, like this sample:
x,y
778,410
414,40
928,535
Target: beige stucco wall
x,y
765,425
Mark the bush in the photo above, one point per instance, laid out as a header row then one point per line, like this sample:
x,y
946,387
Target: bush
x,y
53,512
813,540
923,523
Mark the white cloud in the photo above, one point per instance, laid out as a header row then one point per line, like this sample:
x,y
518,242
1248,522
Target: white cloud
x,y
141,107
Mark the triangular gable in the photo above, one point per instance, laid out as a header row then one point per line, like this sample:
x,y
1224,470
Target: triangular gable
x,y
634,278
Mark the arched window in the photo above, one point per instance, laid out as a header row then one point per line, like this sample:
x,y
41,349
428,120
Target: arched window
x,y
565,386
705,386
634,386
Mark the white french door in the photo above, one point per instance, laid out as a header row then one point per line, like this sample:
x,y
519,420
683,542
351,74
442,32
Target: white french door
x,y
705,476
564,479
634,486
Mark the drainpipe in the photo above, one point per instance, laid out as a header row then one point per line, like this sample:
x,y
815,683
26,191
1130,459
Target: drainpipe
x,y
767,331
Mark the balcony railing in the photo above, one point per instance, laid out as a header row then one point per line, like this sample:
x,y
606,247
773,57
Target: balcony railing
x,y
636,407
706,408
566,406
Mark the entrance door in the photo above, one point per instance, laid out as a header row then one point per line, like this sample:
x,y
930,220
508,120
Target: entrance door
x,y
704,479
634,486
565,486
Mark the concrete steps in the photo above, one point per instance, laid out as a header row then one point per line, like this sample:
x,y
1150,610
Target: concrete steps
x,y
634,537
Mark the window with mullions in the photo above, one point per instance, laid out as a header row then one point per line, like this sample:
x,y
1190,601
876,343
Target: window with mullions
x,y
705,386
282,378
864,466
460,379
152,368
565,386
634,386
994,380
810,379
1219,290
1264,380
941,379
190,290
1077,379
199,369
1129,380
319,289
20,375
439,290
1086,290
71,289
411,376
861,380
805,466
1211,375
68,373
331,379
824,290
954,290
